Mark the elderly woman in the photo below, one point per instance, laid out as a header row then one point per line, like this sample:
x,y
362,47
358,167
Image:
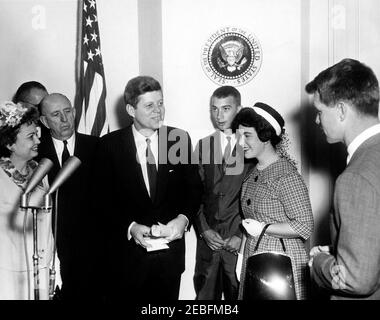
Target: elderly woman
x,y
273,193
19,139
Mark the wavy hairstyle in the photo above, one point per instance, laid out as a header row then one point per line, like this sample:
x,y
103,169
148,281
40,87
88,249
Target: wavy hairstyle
x,y
8,133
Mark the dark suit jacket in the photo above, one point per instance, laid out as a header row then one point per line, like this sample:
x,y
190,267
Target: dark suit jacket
x,y
73,209
123,199
355,228
220,209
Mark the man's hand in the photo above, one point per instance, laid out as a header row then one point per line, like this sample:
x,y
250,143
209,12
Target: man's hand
x,y
177,226
138,232
213,239
253,226
160,230
232,244
317,250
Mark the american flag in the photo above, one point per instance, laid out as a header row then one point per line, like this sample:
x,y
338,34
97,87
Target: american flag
x,y
91,104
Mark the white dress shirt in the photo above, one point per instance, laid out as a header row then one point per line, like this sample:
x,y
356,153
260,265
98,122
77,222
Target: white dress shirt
x,y
58,145
140,142
224,141
141,145
360,139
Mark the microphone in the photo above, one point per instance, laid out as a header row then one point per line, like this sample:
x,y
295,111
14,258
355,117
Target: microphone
x,y
67,170
42,169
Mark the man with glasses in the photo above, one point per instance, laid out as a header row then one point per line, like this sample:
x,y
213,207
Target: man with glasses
x,y
73,247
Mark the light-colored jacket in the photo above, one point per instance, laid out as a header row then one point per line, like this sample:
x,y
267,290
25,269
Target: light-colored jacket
x,y
355,228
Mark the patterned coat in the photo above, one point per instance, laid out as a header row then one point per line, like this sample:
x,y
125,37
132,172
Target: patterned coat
x,y
278,194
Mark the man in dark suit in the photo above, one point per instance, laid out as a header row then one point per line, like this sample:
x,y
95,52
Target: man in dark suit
x,y
346,97
31,92
147,186
73,247
222,171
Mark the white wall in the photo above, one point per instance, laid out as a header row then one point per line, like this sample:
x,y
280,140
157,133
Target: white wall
x,y
186,27
39,42
119,39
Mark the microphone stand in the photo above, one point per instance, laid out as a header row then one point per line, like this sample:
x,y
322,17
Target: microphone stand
x,y
36,275
36,272
52,271
43,167
67,169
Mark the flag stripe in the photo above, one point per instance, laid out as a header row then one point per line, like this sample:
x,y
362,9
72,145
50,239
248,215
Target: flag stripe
x,y
94,99
100,113
91,106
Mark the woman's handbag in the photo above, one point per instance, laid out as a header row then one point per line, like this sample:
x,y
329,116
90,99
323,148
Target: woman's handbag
x,y
269,275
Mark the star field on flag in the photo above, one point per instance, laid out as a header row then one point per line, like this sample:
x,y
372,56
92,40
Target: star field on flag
x,y
91,106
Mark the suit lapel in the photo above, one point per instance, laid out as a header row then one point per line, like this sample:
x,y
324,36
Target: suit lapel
x,y
211,157
48,151
217,153
129,157
77,146
163,170
81,149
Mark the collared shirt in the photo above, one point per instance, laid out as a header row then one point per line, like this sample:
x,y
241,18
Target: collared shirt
x,y
58,145
360,139
141,145
224,141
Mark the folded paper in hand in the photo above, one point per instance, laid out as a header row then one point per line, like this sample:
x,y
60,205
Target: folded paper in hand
x,y
156,244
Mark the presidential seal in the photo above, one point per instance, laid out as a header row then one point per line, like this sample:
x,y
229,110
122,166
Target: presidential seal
x,y
231,56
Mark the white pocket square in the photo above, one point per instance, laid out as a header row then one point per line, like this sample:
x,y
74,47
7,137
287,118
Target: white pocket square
x,y
171,170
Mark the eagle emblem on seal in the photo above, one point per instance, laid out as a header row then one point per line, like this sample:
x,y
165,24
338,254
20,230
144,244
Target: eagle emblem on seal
x,y
232,56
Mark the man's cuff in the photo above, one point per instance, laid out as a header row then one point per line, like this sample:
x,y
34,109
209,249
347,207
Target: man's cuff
x,y
321,268
129,230
187,221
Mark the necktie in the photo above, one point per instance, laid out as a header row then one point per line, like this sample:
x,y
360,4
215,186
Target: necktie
x,y
227,151
65,153
151,169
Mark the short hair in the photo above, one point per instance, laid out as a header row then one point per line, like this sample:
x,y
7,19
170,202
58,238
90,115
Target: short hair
x,y
227,91
248,117
138,86
49,96
8,134
25,89
350,81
